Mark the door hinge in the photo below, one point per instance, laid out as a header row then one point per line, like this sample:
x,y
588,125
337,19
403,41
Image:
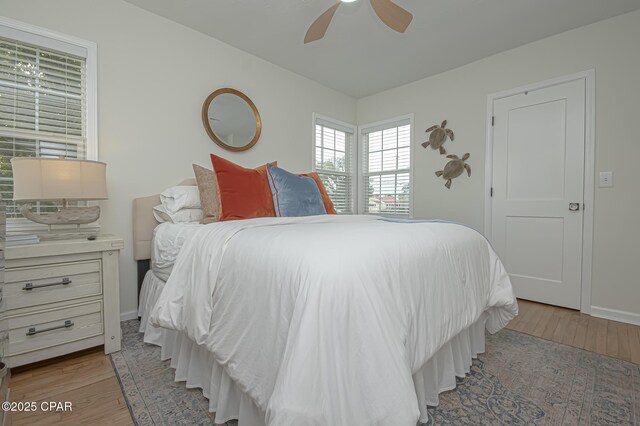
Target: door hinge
x,y
493,120
491,193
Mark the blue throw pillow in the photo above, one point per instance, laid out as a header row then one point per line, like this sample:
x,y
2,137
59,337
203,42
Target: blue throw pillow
x,y
294,195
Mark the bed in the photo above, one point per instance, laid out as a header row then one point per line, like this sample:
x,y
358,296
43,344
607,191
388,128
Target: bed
x,y
342,320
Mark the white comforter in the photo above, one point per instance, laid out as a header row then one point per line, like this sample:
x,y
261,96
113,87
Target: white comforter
x,y
323,320
168,239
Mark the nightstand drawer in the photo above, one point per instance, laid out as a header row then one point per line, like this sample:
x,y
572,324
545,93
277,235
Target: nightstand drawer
x,y
54,327
38,285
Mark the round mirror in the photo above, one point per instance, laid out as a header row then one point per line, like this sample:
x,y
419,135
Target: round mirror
x,y
231,120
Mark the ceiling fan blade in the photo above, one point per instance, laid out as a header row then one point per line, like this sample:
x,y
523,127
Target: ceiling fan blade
x,y
319,27
392,15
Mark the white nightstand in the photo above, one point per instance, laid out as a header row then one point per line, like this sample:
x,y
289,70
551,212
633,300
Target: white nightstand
x,y
61,297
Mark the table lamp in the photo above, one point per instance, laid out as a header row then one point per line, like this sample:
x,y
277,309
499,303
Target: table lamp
x,y
40,179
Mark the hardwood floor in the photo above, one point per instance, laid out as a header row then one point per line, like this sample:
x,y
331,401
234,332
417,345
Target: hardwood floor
x,y
615,339
89,382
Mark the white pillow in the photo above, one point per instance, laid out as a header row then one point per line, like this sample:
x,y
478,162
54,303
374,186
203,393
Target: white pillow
x,y
180,197
181,216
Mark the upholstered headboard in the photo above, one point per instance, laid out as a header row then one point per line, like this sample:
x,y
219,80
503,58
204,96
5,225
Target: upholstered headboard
x,y
144,222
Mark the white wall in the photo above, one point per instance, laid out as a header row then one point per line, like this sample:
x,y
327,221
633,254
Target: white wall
x,y
460,95
153,77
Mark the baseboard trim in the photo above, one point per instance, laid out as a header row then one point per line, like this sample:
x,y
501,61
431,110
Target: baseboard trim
x,y
125,316
615,315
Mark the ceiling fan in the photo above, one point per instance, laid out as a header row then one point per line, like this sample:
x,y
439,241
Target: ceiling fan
x,y
391,14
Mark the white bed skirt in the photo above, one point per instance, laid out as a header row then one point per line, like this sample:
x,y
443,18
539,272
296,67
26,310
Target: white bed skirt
x,y
196,366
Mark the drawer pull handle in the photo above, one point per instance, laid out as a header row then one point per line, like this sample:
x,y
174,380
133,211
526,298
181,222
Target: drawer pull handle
x,y
32,331
30,286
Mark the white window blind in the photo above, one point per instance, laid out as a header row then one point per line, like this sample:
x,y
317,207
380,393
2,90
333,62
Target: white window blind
x,y
386,169
42,108
334,163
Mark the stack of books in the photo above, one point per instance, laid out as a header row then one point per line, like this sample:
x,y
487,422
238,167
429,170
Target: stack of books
x,y
21,239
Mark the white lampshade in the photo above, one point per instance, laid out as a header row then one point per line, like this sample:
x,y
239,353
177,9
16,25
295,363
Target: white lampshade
x,y
37,179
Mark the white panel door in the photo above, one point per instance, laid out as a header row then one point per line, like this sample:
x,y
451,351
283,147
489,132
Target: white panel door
x,y
537,203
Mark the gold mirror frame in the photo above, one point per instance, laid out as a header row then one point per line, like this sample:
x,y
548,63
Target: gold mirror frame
x,y
207,125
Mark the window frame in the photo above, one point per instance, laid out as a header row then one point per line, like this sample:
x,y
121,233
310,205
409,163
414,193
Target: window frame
x,y
346,128
380,125
50,39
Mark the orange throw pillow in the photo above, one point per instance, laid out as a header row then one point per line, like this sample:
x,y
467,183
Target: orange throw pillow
x,y
328,204
244,193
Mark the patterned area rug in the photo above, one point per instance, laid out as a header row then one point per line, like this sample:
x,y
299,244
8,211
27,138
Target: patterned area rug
x,y
520,380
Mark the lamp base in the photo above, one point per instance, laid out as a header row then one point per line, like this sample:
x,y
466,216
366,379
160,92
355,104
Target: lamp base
x,y
64,216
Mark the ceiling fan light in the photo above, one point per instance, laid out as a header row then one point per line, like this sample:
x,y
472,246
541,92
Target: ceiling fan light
x,y
392,15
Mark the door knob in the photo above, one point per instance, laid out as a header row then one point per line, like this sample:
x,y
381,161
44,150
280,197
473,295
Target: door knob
x,y
574,207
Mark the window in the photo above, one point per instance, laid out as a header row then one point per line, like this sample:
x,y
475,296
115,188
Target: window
x,y
43,102
386,168
334,158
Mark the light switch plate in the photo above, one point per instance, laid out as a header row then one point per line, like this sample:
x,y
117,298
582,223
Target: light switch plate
x,y
606,179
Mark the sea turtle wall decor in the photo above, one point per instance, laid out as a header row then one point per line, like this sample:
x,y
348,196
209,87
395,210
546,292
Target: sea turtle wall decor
x,y
454,168
438,137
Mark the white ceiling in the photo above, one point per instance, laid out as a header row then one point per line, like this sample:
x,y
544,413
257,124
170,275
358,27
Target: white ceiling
x,y
360,56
